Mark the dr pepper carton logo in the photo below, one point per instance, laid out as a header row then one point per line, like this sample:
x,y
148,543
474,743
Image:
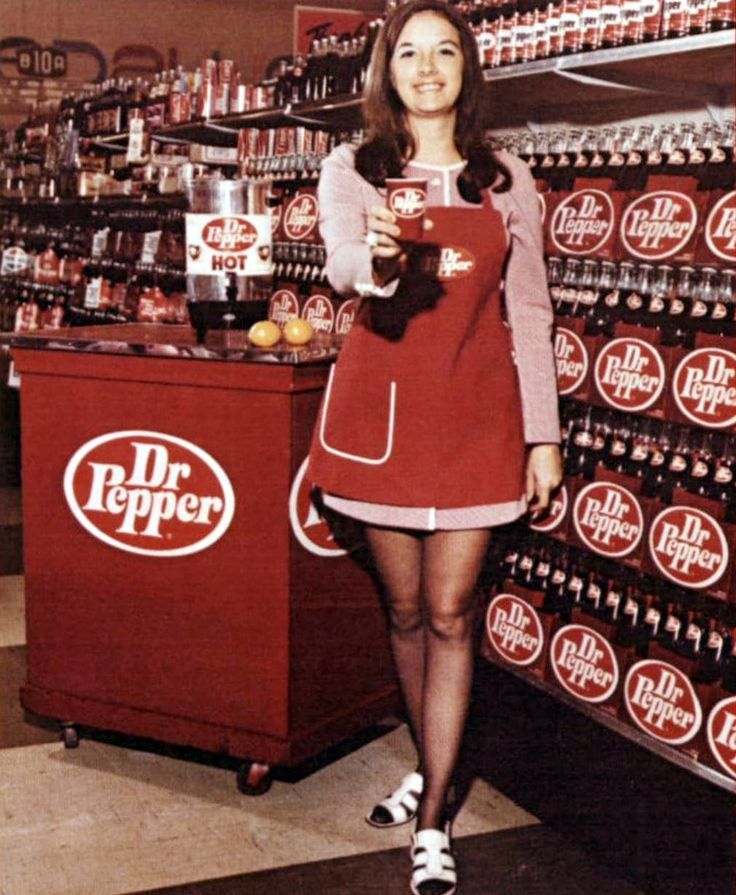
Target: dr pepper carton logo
x,y
608,519
514,630
571,358
300,217
310,529
558,507
658,224
149,493
584,663
662,702
704,387
629,374
583,222
722,734
688,546
720,228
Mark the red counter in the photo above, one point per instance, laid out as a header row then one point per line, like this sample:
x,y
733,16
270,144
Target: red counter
x,y
178,585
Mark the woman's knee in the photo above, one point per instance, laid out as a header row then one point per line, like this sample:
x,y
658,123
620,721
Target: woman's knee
x,y
405,618
451,624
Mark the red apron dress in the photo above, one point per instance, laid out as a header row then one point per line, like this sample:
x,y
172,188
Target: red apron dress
x,y
423,407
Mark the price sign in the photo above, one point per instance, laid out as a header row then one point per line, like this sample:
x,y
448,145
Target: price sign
x,y
41,62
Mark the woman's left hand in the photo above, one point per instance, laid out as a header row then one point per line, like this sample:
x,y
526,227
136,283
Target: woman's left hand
x,y
543,475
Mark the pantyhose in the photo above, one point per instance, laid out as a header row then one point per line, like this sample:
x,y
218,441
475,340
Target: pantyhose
x,y
429,579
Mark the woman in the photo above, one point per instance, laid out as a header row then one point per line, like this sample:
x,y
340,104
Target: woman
x,y
440,417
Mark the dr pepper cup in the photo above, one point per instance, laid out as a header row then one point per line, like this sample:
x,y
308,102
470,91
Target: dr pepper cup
x,y
407,198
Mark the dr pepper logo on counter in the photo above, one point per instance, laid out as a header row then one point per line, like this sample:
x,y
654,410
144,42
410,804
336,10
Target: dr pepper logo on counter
x,y
514,629
629,374
310,529
582,223
704,387
662,702
584,663
688,546
720,228
571,357
722,734
658,224
149,493
608,519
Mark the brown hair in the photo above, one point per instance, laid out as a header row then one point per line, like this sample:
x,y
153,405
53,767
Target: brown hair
x,y
389,144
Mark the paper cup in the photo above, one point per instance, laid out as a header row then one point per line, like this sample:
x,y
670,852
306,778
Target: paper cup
x,y
407,198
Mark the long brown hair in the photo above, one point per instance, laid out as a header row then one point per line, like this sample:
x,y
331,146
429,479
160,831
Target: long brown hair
x,y
389,144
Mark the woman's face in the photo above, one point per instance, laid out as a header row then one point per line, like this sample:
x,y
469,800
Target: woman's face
x,y
427,66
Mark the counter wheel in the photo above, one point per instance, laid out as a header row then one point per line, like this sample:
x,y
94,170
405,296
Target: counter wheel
x,y
254,778
70,736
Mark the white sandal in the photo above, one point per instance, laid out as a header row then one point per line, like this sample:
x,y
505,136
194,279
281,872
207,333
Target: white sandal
x,y
433,866
401,805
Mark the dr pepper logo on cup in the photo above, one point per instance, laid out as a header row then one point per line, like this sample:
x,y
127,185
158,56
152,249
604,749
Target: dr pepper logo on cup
x,y
571,357
720,228
229,234
300,217
583,222
722,734
407,201
514,629
584,663
629,374
658,224
688,546
608,519
309,528
704,387
662,702
149,493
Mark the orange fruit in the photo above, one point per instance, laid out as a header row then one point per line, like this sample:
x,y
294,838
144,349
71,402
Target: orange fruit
x,y
264,333
298,331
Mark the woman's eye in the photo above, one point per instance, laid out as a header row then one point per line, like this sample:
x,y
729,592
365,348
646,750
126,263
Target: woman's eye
x,y
447,51
406,54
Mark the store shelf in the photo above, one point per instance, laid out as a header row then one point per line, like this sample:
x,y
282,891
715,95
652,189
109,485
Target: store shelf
x,y
668,753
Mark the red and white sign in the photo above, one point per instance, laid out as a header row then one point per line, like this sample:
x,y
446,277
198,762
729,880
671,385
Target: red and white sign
x,y
584,663
688,546
658,224
720,228
558,507
320,312
455,263
300,217
309,528
239,244
346,316
722,734
407,201
704,387
662,702
629,374
282,306
608,519
315,22
583,222
15,261
571,357
149,493
514,629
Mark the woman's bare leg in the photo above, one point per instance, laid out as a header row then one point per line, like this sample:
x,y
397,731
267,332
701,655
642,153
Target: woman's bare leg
x,y
452,561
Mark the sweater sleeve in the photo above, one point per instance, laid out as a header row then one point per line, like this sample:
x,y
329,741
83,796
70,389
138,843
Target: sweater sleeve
x,y
529,310
344,199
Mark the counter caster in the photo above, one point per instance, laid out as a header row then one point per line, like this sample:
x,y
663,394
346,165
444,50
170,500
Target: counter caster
x,y
253,778
70,736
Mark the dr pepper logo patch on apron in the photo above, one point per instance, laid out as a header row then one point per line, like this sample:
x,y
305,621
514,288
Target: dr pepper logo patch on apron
x,y
704,387
688,546
584,663
582,223
514,629
662,702
658,224
629,374
608,519
149,493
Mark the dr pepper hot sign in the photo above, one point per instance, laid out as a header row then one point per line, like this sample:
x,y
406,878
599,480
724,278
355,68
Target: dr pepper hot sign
x,y
221,244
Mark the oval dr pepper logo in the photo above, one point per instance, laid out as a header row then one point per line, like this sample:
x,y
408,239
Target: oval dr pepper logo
x,y
558,506
407,201
608,519
584,663
704,387
309,528
658,224
571,358
722,734
720,228
514,629
229,234
149,493
300,217
629,374
662,702
688,546
583,222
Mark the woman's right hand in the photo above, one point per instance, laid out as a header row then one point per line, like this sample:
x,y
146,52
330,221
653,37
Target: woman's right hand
x,y
387,253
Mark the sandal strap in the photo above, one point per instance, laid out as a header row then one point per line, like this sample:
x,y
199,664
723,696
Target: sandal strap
x,y
432,859
403,802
